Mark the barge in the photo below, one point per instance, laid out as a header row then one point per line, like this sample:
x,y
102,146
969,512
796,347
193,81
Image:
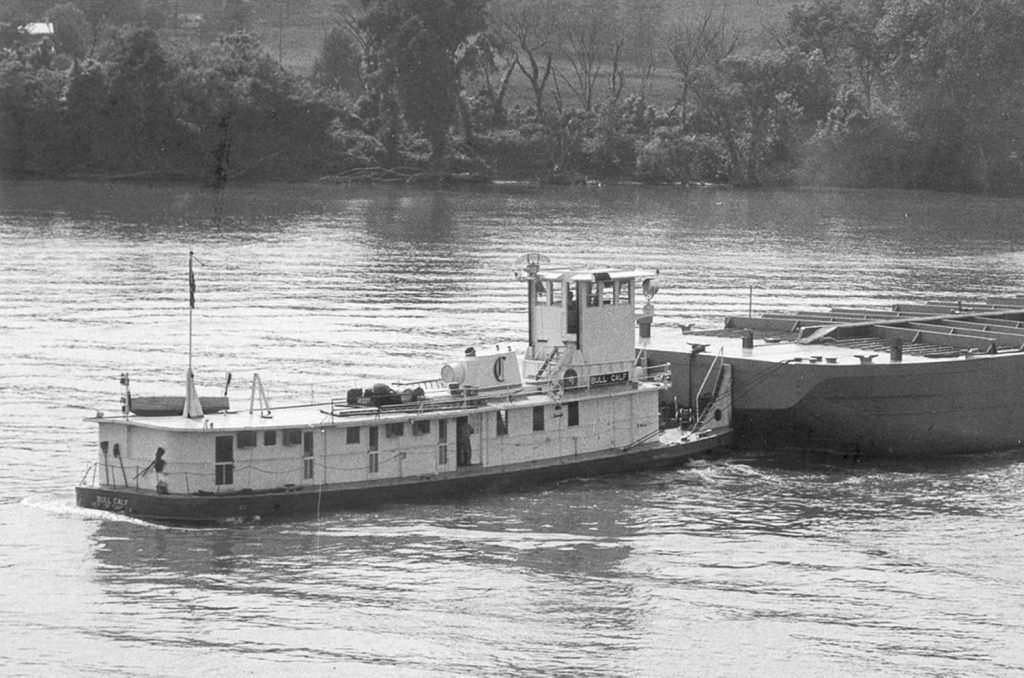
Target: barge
x,y
915,380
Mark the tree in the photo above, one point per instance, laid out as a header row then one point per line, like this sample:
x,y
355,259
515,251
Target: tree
x,y
529,28
71,33
141,103
413,53
750,103
957,69
592,42
695,47
847,37
643,34
340,62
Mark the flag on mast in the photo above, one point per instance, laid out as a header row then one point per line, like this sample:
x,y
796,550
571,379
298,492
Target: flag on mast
x,y
191,283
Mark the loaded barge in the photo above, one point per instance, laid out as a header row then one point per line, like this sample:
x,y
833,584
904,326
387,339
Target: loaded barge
x,y
913,379
580,400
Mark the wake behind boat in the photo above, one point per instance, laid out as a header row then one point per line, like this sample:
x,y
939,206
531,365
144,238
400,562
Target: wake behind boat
x,y
581,400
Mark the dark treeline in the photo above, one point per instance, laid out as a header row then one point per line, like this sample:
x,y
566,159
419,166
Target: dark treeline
x,y
885,93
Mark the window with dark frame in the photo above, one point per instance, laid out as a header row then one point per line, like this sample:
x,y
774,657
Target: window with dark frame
x,y
269,438
246,439
307,455
292,436
442,442
352,435
224,460
538,418
574,413
394,430
374,462
374,437
421,427
502,422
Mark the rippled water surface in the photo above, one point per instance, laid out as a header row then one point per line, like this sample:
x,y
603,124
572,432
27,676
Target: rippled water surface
x,y
737,565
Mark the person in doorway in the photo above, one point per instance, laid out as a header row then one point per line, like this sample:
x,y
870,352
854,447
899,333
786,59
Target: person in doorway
x,y
463,444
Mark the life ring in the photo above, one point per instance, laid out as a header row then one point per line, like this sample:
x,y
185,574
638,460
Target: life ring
x,y
570,379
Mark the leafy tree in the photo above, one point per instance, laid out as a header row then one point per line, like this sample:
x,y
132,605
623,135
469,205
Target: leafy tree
x,y
141,103
87,112
847,36
71,32
246,115
751,103
413,54
31,131
340,61
957,70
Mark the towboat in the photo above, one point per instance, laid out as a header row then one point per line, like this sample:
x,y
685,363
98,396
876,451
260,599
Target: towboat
x,y
580,400
910,380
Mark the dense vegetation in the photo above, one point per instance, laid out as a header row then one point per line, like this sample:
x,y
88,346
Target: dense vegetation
x,y
908,93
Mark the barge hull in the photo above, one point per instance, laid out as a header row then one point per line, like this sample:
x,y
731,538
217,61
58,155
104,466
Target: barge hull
x,y
207,509
942,407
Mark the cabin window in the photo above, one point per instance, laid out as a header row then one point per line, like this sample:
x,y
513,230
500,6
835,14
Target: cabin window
x,y
607,293
246,439
374,462
269,438
574,413
307,456
540,291
421,427
556,293
502,418
625,287
395,430
352,435
117,450
104,447
590,292
442,442
224,461
292,436
538,418
374,437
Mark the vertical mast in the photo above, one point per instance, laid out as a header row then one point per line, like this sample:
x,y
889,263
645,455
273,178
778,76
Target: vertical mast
x,y
191,306
193,407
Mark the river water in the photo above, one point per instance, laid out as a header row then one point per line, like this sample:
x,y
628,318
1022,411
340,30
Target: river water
x,y
736,565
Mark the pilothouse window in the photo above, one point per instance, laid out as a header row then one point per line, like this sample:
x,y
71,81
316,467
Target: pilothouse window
x,y
625,289
540,291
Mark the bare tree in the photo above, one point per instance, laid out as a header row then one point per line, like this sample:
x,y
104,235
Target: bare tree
x,y
592,41
644,33
698,44
529,29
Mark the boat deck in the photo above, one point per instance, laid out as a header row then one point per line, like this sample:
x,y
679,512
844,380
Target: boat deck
x,y
924,332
